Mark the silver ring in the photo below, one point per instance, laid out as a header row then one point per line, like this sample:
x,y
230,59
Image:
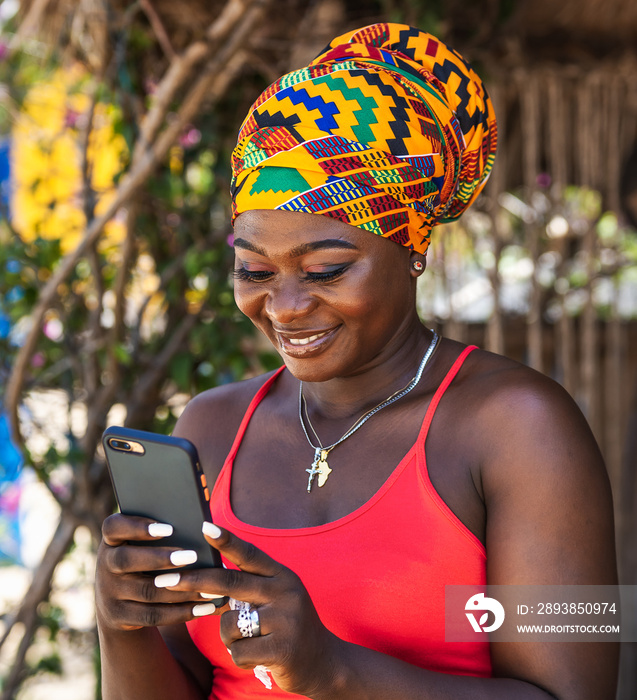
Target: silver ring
x,y
256,623
248,622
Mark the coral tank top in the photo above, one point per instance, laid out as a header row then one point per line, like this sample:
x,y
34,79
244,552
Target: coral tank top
x,y
367,584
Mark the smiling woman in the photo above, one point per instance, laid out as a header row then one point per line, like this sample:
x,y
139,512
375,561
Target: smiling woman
x,y
380,464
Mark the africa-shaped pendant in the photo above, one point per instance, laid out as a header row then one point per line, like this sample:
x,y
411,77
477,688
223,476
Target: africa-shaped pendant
x,y
320,467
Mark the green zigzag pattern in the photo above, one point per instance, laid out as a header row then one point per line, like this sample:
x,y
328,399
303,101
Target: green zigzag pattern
x,y
363,130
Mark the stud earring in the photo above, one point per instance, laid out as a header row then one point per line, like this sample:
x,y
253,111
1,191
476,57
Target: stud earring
x,y
418,266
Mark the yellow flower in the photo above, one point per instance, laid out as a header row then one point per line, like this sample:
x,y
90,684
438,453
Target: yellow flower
x,y
46,161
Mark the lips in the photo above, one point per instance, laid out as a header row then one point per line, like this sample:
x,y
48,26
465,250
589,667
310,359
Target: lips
x,y
304,343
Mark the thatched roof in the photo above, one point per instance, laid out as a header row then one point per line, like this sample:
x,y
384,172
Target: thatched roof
x,y
577,29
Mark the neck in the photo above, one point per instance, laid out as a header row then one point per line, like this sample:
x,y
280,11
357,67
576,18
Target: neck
x,y
388,372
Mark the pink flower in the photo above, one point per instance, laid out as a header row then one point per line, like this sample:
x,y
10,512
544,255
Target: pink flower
x,y
191,137
37,360
71,118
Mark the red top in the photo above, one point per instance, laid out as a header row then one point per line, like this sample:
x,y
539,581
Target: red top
x,y
369,586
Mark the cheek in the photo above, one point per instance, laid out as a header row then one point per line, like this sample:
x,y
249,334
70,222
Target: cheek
x,y
380,305
361,307
375,294
249,301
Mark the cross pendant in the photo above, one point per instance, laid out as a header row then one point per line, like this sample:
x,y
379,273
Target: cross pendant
x,y
320,467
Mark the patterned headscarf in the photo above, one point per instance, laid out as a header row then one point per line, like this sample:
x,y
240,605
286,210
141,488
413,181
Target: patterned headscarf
x,y
388,129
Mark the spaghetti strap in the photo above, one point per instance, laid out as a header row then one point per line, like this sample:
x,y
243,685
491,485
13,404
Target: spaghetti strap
x,y
449,377
256,400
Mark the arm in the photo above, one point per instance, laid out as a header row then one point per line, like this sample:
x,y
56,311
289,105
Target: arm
x,y
125,653
306,658
550,521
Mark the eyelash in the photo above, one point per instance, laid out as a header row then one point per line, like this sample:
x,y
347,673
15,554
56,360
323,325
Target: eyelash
x,y
261,275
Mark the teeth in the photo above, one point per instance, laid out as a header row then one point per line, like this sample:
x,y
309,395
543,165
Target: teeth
x,y
305,341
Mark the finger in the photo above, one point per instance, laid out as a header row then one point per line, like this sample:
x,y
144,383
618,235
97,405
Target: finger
x,y
241,553
227,583
132,614
229,627
251,652
131,559
143,588
118,529
171,581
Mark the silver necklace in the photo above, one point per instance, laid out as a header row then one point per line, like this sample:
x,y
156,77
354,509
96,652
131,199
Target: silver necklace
x,y
320,466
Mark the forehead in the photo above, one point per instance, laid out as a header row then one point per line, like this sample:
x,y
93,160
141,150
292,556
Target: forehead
x,y
275,231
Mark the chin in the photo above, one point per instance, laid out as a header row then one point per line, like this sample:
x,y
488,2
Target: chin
x,y
307,371
313,369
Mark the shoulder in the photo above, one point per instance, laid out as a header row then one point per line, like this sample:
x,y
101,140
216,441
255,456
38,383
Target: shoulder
x,y
523,437
211,420
231,398
503,398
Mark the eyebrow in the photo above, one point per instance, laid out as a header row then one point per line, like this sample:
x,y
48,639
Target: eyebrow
x,y
302,249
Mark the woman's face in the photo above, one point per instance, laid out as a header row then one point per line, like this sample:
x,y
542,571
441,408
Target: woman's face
x,y
333,299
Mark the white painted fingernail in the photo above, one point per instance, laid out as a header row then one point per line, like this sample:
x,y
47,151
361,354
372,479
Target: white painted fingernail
x,y
183,557
164,580
211,530
203,609
210,596
160,530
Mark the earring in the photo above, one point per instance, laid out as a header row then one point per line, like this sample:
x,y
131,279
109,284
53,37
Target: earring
x,y
418,265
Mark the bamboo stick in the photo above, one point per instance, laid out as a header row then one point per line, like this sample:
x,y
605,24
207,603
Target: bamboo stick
x,y
590,342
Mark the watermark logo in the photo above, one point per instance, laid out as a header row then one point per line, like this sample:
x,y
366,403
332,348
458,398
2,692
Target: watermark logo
x,y
480,603
533,613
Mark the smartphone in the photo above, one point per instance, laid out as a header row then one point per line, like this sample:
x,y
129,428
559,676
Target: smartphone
x,y
159,477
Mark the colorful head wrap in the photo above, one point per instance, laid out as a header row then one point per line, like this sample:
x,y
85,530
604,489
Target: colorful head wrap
x,y
388,129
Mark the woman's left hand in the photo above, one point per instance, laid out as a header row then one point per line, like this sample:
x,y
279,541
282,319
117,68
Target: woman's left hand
x,y
299,651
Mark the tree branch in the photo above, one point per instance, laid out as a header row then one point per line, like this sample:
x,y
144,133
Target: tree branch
x,y
30,22
158,28
151,379
181,69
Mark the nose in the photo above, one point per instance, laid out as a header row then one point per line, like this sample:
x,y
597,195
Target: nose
x,y
289,300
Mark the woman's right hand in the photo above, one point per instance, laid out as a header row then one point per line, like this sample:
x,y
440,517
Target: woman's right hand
x,y
126,597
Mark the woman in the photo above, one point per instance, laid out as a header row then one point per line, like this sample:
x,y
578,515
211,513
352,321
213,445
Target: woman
x,y
336,530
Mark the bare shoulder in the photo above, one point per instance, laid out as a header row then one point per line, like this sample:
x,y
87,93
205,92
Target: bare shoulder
x,y
517,408
211,420
534,435
522,435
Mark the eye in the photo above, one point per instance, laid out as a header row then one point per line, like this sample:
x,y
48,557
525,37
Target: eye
x,y
240,273
326,275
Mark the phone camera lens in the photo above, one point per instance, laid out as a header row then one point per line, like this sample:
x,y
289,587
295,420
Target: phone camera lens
x,y
120,445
